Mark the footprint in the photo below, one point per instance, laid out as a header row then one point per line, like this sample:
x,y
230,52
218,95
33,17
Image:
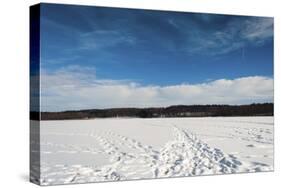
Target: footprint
x,y
250,145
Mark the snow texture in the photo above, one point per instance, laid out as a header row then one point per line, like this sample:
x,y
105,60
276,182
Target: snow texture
x,y
81,151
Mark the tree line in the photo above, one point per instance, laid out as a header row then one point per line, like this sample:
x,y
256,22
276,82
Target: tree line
x,y
264,109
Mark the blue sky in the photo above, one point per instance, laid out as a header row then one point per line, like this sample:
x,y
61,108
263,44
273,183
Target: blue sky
x,y
139,49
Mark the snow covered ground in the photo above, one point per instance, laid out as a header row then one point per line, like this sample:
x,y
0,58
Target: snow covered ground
x,y
80,151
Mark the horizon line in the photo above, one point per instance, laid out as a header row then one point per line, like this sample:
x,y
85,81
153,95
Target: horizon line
x,y
86,109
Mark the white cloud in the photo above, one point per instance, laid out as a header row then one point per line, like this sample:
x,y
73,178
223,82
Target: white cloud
x,y
79,88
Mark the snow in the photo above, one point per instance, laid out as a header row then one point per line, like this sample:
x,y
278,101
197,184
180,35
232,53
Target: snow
x,y
80,151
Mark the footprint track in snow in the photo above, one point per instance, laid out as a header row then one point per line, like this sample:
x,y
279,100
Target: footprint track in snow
x,y
184,155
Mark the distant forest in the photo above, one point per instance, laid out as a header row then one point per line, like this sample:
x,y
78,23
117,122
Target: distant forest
x,y
265,109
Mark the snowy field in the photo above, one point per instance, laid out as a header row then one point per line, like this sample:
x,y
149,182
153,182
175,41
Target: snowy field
x,y
80,151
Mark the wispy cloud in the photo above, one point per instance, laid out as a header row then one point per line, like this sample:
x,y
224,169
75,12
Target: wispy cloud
x,y
59,60
233,35
258,31
100,39
204,34
79,88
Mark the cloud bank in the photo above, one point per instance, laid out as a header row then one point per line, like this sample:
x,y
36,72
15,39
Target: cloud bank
x,y
74,88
